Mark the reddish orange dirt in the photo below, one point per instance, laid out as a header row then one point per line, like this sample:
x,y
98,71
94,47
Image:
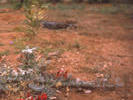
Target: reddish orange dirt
x,y
105,40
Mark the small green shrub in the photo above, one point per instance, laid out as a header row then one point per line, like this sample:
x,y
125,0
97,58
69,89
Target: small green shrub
x,y
34,13
4,53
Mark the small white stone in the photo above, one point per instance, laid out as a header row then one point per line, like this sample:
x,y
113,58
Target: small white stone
x,y
22,71
52,98
58,91
78,80
29,71
4,73
87,91
14,72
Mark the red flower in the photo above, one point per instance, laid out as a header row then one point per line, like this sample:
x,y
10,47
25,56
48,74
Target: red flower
x,y
39,97
28,94
20,99
36,98
44,96
32,98
65,74
60,73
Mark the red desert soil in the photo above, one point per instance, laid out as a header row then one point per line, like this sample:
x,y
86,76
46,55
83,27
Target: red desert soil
x,y
103,40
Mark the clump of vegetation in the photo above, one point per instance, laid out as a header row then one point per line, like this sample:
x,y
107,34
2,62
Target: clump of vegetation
x,y
75,45
4,53
21,80
28,58
34,13
19,44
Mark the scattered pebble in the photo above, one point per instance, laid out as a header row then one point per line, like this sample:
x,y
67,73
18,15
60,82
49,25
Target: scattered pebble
x,y
78,80
15,73
99,75
56,53
87,91
52,98
57,91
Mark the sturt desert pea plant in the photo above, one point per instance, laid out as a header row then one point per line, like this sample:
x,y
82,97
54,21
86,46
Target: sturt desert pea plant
x,y
38,97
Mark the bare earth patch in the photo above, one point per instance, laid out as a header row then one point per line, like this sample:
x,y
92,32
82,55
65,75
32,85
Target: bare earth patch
x,y
98,40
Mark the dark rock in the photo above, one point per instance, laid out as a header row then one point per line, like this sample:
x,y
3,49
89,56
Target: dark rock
x,y
56,25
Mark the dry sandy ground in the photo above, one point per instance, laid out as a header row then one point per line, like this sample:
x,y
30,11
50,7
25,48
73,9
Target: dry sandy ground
x,y
98,40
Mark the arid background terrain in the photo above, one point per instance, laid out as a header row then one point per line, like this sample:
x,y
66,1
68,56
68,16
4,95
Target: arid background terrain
x,y
103,37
